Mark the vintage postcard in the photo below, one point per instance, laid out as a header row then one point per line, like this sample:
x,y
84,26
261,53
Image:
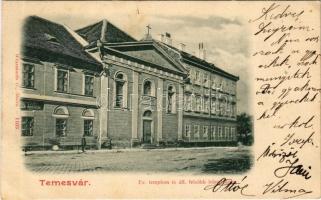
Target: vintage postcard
x,y
160,99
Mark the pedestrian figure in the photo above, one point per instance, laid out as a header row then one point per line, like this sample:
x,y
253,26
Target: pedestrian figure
x,y
83,144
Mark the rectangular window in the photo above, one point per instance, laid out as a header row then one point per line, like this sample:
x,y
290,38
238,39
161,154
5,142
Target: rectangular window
x,y
213,82
233,133
213,106
206,105
88,127
220,132
188,102
217,106
196,131
197,77
28,75
89,85
62,80
27,126
198,104
205,131
187,130
213,133
61,127
205,80
227,132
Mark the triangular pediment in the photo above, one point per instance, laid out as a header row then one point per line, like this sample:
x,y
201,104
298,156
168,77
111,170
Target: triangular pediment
x,y
149,51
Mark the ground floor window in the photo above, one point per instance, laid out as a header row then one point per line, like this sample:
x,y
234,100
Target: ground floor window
x,y
220,132
233,133
187,130
88,127
212,134
205,131
227,133
27,126
61,127
196,131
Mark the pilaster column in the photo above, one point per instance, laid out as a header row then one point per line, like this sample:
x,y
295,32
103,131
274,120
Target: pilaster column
x,y
180,112
160,91
103,111
134,108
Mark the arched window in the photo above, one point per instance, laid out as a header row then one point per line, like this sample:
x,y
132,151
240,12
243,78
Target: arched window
x,y
171,99
61,114
120,90
147,113
61,111
88,113
148,88
88,116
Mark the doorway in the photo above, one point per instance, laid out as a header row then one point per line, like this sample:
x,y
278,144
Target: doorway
x,y
147,131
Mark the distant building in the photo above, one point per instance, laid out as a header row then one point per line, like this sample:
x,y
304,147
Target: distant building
x,y
102,83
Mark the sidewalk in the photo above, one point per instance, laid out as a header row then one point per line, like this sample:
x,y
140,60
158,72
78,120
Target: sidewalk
x,y
132,150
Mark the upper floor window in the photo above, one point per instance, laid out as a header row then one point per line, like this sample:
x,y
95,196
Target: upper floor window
x,y
89,85
213,106
198,103
197,77
149,88
62,80
28,75
205,80
206,105
213,82
27,126
120,90
188,102
171,101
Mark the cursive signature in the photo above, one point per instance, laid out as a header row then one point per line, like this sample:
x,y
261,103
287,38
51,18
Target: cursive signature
x,y
226,185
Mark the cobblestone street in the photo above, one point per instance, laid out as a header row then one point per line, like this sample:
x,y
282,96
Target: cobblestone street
x,y
193,160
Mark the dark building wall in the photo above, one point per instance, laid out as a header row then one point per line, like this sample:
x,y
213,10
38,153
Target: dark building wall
x,y
44,92
45,82
45,126
119,119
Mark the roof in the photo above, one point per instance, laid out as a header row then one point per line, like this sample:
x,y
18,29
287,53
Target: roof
x,y
44,35
105,32
193,60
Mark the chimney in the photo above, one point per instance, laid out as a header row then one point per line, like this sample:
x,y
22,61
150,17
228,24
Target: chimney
x,y
162,38
168,39
201,51
182,46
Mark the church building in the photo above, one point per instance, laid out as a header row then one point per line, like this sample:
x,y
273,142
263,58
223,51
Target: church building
x,y
101,83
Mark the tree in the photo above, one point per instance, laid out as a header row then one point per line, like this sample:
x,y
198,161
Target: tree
x,y
245,128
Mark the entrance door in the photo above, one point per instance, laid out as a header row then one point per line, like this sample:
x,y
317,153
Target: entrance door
x,y
147,131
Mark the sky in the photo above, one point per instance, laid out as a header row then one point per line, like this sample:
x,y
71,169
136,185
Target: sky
x,y
224,33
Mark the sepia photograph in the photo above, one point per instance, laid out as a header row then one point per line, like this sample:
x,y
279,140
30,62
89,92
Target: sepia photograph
x,y
96,98
160,100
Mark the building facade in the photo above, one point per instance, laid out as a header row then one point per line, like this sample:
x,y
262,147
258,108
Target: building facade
x,y
101,83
